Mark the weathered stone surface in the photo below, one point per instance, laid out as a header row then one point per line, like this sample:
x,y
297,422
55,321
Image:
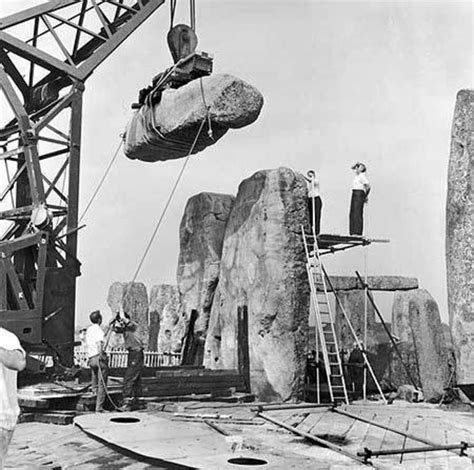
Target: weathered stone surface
x,y
381,283
165,311
232,103
201,237
416,322
460,235
263,267
354,305
133,298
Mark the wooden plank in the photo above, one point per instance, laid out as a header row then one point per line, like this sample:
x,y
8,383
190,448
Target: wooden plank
x,y
308,424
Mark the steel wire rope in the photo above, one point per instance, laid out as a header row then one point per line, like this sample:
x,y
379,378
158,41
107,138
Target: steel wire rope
x,y
102,180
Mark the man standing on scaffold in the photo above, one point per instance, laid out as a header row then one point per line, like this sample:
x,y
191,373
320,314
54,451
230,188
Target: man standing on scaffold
x,y
314,201
360,194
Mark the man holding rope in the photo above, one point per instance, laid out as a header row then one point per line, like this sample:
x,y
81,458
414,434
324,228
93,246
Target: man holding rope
x,y
98,363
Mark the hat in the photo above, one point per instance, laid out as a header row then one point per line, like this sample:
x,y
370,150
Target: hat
x,y
357,165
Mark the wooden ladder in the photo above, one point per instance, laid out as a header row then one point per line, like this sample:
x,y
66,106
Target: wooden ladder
x,y
324,321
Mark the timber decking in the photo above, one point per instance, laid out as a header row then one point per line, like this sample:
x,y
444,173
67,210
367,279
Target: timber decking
x,y
37,445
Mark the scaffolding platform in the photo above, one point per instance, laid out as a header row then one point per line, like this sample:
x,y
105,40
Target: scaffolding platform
x,y
331,243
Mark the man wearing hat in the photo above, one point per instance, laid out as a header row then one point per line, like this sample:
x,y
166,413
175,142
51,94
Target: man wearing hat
x,y
360,193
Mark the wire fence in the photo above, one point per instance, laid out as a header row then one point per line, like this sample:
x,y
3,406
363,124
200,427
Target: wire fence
x,y
118,358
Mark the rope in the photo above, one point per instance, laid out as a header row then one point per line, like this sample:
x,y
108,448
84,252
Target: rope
x,y
173,190
104,384
101,182
208,115
168,202
172,12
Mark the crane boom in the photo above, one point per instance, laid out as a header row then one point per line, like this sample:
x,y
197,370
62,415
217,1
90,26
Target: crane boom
x,y
41,149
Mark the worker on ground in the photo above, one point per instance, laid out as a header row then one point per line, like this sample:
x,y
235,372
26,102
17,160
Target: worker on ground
x,y
165,346
356,369
132,379
314,201
360,194
12,360
98,363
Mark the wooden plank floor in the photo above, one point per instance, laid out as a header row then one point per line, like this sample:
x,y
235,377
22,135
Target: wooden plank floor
x,y
427,423
37,445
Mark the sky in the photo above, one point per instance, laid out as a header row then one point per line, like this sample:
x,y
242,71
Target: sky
x,y
343,81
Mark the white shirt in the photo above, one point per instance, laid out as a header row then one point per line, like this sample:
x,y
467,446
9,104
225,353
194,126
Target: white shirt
x,y
313,188
359,181
9,409
94,336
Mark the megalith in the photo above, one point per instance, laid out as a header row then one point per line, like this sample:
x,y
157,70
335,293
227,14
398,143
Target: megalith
x,y
132,297
460,235
165,311
263,268
417,324
201,236
353,303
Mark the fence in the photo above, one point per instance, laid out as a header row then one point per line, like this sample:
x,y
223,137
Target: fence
x,y
118,358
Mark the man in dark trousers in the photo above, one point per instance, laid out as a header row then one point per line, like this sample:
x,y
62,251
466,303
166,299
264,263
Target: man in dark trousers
x,y
132,378
360,193
314,201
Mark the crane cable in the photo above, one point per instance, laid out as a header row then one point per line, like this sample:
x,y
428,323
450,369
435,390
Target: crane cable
x,y
192,13
101,182
168,202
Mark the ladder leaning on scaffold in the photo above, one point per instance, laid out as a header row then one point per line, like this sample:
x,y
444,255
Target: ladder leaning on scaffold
x,y
319,282
324,321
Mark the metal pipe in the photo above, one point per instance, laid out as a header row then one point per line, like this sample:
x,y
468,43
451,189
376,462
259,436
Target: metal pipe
x,y
314,438
377,311
368,453
354,335
287,406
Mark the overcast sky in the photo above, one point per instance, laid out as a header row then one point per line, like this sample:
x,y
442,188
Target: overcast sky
x,y
343,81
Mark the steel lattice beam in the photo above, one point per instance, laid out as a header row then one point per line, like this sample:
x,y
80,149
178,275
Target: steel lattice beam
x,y
38,252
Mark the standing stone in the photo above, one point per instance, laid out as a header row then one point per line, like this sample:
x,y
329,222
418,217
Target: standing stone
x,y
460,235
263,267
201,237
133,299
417,324
354,305
165,311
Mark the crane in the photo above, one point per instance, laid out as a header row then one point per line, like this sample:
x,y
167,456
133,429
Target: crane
x,y
41,151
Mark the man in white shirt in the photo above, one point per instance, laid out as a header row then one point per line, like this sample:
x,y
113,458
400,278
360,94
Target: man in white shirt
x,y
360,193
12,360
95,339
314,201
